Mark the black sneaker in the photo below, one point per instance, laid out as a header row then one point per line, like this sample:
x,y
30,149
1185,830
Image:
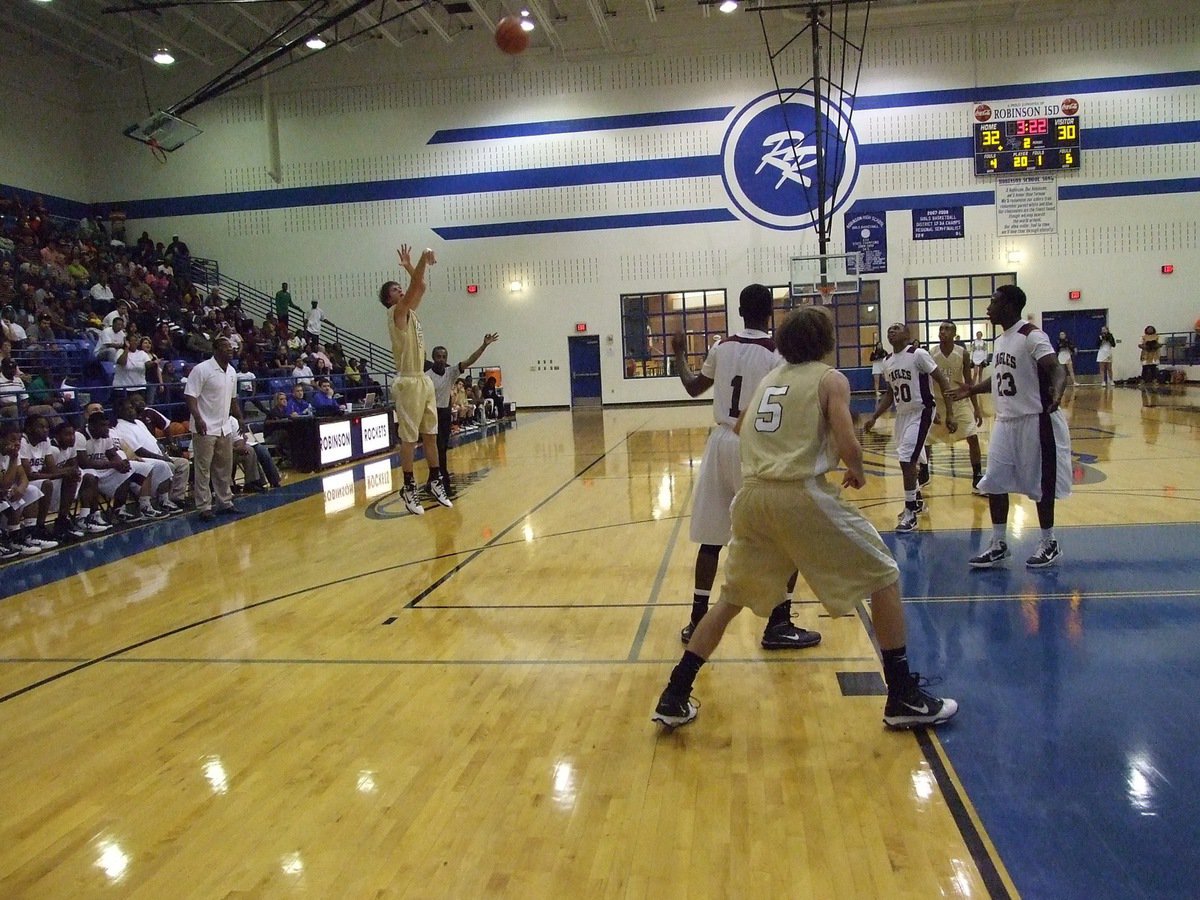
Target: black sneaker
x,y
685,633
907,522
786,636
995,554
910,706
1048,553
674,711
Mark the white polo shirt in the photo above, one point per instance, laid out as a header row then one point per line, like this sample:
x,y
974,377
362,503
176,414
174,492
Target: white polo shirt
x,y
214,389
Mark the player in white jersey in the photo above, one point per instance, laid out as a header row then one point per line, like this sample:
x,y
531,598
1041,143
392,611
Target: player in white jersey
x,y
443,375
1030,450
733,369
788,515
952,359
909,370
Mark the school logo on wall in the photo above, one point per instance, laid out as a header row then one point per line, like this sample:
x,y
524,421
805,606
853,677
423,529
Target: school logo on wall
x,y
769,159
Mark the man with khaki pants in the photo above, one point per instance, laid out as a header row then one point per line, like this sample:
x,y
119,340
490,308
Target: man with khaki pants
x,y
211,394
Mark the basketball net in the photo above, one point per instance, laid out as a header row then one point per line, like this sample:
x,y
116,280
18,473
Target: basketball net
x,y
157,151
825,292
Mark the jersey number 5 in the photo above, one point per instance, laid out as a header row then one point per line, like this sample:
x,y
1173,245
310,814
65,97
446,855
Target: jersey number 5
x,y
770,411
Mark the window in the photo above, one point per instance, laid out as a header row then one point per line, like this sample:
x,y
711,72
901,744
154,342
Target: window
x,y
856,322
649,320
961,299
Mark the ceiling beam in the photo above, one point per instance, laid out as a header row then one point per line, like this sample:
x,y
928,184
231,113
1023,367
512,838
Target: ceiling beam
x,y
545,23
600,17
61,44
166,40
483,14
55,11
433,23
365,17
204,26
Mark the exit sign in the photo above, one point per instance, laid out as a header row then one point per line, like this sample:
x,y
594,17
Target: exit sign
x,y
1074,295
581,326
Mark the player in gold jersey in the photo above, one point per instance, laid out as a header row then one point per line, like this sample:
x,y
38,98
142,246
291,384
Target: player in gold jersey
x,y
788,516
412,389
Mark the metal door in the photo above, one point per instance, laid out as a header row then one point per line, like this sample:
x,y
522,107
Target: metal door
x,y
584,356
1083,328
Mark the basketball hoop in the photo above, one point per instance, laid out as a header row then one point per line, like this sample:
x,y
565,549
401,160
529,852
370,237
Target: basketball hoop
x,y
157,151
825,291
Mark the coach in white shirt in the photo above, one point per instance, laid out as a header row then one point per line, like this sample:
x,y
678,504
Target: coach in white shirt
x,y
211,395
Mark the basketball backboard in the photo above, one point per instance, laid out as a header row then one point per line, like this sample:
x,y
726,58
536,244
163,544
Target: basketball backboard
x,y
164,131
818,279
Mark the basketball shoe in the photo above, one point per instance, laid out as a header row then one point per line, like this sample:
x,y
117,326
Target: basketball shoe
x,y
996,553
786,636
923,475
408,495
674,711
911,706
685,633
908,521
437,490
1047,554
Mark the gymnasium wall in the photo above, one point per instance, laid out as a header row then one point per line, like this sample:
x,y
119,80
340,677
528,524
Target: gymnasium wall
x,y
620,188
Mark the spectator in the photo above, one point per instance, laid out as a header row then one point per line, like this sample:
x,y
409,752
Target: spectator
x,y
120,311
297,406
1066,356
134,365
312,324
101,292
13,394
493,399
111,341
255,459
324,402
14,333
1151,351
283,306
302,373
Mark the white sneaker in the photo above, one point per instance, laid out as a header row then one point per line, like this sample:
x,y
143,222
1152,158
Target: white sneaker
x,y
408,495
437,490
93,524
40,542
149,512
170,506
26,547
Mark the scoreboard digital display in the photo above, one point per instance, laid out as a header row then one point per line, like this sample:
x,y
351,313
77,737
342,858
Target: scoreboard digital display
x,y
1017,146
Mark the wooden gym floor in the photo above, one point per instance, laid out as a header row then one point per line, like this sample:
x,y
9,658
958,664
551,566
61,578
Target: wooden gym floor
x,y
328,697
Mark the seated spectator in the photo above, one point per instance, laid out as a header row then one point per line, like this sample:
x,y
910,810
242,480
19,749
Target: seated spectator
x,y
247,385
111,341
252,454
297,406
168,474
324,401
119,311
461,408
302,373
14,333
279,405
13,394
101,292
493,399
318,355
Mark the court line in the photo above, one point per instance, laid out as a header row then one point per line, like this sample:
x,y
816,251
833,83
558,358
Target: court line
x,y
477,553
1072,595
374,661
639,636
975,840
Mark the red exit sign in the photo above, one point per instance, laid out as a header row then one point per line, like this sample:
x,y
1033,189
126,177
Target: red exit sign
x,y
581,326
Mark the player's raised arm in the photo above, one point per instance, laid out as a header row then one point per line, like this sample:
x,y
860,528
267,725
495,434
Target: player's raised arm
x,y
695,383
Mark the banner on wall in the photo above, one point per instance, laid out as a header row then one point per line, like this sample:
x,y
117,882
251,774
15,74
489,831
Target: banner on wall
x,y
867,233
1027,205
937,224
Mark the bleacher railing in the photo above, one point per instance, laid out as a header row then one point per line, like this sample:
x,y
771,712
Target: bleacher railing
x,y
258,304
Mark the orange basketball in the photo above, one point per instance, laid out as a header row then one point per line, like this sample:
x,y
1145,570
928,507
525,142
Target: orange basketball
x,y
510,36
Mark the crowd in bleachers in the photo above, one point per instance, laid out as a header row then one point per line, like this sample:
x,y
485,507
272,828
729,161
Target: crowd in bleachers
x,y
95,324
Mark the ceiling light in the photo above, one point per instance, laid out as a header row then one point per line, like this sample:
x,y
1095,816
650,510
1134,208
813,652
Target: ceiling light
x,y
728,6
163,57
526,21
515,287
316,42
1015,256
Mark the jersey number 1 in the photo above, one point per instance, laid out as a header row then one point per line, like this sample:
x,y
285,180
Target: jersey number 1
x,y
735,407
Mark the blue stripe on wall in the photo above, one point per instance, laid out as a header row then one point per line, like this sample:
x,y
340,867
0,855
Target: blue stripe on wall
x,y
434,186
592,223
922,201
571,126
1129,189
1032,90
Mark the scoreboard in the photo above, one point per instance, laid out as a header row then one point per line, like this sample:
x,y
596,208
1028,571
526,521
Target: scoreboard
x,y
1017,146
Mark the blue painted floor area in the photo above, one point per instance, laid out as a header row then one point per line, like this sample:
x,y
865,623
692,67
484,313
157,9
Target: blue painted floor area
x,y
1080,694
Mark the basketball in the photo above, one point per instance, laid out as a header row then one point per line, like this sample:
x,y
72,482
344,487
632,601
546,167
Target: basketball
x,y
510,36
